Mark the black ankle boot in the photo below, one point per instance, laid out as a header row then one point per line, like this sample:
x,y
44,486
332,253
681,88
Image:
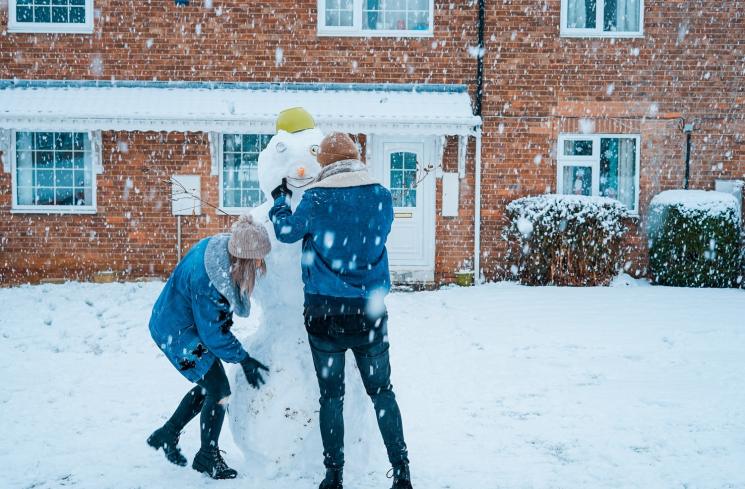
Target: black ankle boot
x,y
401,477
167,439
210,462
333,479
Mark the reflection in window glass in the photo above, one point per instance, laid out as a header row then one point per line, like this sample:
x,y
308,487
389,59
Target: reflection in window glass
x,y
396,15
53,169
577,148
618,169
240,178
339,13
577,180
403,179
581,14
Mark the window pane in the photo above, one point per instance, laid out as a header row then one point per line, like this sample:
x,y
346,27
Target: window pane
x,y
403,178
24,14
396,15
581,14
77,15
60,15
577,180
578,148
618,170
42,14
240,183
44,169
622,15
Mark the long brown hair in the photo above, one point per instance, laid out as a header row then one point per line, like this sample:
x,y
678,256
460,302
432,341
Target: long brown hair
x,y
244,272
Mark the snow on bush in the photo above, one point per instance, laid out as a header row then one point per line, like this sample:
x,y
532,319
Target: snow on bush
x,y
694,239
566,239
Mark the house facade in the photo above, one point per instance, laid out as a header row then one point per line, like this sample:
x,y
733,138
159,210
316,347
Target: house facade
x,y
103,105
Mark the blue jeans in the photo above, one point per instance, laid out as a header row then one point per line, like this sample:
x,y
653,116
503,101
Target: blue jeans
x,y
371,353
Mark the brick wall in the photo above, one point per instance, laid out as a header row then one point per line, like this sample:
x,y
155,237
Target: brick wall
x,y
690,65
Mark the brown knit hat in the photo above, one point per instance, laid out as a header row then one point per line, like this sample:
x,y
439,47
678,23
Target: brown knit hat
x,y
248,239
335,147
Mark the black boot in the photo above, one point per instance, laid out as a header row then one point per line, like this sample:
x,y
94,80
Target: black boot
x,y
401,477
210,462
333,479
167,439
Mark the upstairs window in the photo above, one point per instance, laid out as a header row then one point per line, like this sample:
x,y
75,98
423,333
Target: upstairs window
x,y
52,16
53,173
239,173
600,165
602,18
395,18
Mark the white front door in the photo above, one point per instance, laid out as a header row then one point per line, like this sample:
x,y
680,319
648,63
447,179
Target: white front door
x,y
398,163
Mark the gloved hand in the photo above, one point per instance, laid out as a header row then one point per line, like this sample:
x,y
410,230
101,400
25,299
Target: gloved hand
x,y
252,368
282,190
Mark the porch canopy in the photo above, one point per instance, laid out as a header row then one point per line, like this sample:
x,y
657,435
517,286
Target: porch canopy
x,y
419,109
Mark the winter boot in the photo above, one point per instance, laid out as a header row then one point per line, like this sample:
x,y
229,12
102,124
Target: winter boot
x,y
401,477
210,462
167,439
333,479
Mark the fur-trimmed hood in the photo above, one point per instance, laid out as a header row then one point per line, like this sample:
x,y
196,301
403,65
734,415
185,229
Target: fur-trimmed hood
x,y
217,265
344,173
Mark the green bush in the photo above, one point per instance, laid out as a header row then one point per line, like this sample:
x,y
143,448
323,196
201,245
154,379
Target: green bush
x,y
566,239
694,239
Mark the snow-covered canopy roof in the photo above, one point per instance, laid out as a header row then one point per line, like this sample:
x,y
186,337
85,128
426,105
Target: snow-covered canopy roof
x,y
234,107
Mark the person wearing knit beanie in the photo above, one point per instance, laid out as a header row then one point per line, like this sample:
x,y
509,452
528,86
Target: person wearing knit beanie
x,y
191,323
249,240
343,220
337,146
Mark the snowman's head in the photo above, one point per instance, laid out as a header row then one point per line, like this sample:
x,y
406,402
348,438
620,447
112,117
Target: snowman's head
x,y
290,155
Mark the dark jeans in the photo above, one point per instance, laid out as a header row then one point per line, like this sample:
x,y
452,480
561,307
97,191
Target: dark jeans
x,y
371,353
208,398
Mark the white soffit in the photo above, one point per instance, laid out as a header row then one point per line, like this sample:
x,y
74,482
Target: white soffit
x,y
246,108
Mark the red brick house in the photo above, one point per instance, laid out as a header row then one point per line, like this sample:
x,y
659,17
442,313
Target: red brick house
x,y
102,102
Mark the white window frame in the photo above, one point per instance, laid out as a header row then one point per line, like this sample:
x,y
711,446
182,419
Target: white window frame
x,y
593,162
52,209
356,29
233,211
599,22
50,27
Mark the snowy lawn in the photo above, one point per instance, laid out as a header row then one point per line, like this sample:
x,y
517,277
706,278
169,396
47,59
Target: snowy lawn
x,y
500,386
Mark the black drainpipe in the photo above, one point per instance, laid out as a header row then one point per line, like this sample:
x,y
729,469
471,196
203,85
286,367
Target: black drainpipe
x,y
688,129
480,58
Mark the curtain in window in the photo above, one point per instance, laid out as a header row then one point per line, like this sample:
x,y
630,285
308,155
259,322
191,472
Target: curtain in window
x,y
626,171
581,14
576,14
627,15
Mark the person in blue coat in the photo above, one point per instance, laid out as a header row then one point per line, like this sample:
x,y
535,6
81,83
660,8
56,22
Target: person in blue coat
x,y
191,323
343,220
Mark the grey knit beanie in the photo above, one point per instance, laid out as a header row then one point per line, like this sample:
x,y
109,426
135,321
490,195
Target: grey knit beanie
x,y
248,239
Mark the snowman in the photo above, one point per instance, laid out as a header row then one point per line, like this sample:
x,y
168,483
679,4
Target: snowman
x,y
276,427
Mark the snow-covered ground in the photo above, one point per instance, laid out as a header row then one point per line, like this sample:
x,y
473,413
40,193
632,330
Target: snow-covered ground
x,y
501,386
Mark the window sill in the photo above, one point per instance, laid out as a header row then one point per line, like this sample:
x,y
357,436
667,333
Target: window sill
x,y
601,35
235,211
53,210
325,32
23,28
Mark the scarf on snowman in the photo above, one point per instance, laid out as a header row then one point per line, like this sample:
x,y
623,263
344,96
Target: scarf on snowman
x,y
344,173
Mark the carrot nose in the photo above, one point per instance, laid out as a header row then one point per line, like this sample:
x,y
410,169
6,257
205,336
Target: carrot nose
x,y
301,171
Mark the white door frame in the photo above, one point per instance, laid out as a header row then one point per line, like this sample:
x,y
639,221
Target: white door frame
x,y
423,269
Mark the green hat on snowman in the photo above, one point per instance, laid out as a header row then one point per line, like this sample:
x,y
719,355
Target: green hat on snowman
x,y
295,119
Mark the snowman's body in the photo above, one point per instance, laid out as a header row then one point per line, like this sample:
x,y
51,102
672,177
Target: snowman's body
x,y
277,426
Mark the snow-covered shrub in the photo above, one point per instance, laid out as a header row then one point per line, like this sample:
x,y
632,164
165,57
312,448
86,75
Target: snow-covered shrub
x,y
566,239
694,239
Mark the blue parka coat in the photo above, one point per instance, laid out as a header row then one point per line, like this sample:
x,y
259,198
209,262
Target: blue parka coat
x,y
192,317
